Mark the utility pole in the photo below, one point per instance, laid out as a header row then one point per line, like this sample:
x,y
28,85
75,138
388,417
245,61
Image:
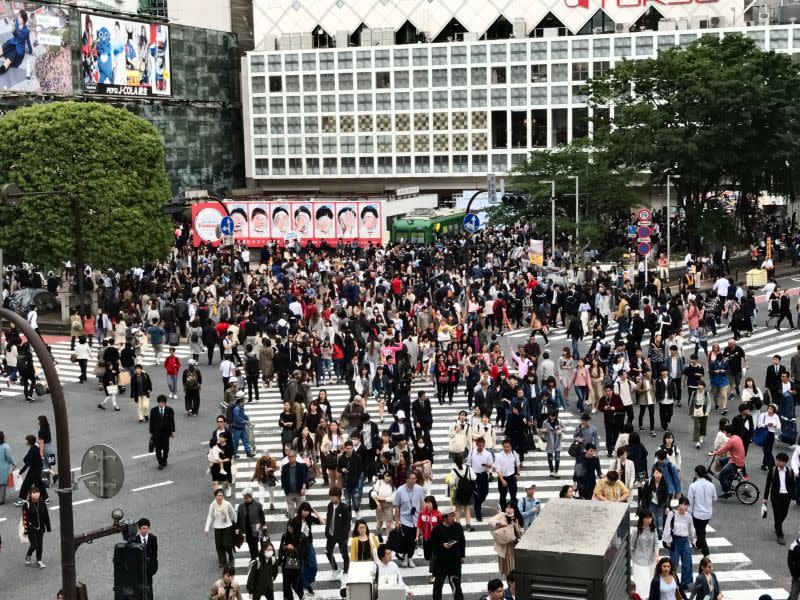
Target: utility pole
x,y
552,216
577,210
670,176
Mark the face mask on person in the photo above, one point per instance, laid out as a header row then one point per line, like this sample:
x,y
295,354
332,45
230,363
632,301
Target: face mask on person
x,y
421,445
269,553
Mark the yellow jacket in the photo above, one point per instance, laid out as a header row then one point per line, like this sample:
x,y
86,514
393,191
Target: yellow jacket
x,y
373,542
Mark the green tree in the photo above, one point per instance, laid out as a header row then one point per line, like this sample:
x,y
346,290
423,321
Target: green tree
x,y
721,113
604,191
110,160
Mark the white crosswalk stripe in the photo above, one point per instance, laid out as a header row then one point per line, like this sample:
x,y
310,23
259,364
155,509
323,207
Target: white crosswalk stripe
x,y
738,577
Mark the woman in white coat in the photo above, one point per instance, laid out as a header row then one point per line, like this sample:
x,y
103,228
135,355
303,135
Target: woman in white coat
x,y
222,517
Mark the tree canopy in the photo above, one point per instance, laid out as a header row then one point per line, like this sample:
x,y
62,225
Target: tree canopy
x,y
721,113
110,160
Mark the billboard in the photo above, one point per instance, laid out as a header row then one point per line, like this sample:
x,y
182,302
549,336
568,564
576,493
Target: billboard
x,y
36,55
259,223
121,57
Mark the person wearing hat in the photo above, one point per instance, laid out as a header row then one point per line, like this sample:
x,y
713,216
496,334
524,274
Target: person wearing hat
x,y
586,433
529,506
400,429
192,381
239,421
250,521
448,549
162,428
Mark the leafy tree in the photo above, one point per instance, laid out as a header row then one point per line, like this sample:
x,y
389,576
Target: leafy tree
x,y
604,192
109,160
721,113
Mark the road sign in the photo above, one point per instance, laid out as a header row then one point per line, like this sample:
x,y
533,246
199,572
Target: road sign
x,y
102,471
491,187
472,223
643,248
643,232
644,214
226,225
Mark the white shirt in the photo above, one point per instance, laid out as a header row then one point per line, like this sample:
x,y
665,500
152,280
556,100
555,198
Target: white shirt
x,y
476,460
33,319
389,574
226,368
782,481
506,463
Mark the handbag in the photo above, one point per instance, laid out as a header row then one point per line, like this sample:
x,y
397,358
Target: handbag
x,y
291,563
40,389
112,390
396,542
504,535
760,435
23,537
10,480
575,449
124,378
151,445
372,504
73,357
99,369
238,539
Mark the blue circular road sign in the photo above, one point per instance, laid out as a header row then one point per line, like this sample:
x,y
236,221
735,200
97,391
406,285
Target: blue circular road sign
x,y
226,225
472,223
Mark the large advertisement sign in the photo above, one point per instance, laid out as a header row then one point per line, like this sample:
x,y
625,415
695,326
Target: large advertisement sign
x,y
35,44
121,57
259,223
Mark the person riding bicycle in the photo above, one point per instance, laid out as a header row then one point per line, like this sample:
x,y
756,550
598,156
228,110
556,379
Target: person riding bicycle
x,y
732,464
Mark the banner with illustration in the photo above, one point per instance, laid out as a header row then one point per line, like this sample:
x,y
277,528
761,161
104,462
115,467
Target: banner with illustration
x,y
121,57
258,223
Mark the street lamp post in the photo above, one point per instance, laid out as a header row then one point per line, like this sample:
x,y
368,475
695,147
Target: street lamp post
x,y
670,176
577,209
552,216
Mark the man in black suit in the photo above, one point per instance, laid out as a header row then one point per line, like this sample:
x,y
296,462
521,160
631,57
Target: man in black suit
x,y
773,379
162,428
337,530
150,543
779,489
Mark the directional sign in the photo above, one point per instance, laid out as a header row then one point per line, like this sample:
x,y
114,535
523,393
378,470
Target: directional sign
x,y
643,248
472,223
643,232
491,187
226,225
644,214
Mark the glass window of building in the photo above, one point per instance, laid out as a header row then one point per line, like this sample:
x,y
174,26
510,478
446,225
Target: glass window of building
x,y
580,123
539,128
460,142
519,74
460,163
622,46
366,144
420,57
440,99
258,85
580,71
276,125
291,62
538,50
274,63
275,84
330,166
309,103
685,39
366,165
422,143
441,164
796,37
260,126
400,57
364,80
326,61
600,68
260,105
381,59
441,142
295,145
644,45
421,121
499,53
519,52
439,78
665,42
479,120
439,55
364,102
345,81
348,165
329,145
262,166
292,104
403,143
458,77
383,102
401,79
757,37
559,94
601,47
580,48
312,166
480,163
328,103
384,121
517,159
384,164
519,96
458,55
499,163
404,164
422,164
364,59
558,49
365,123
477,54
499,97
538,73
327,82
385,144
420,78
275,106
347,144
778,39
458,99
344,60
257,63
278,146
440,121
309,83
478,75
309,61
279,166
478,98
312,145
346,123
293,125
559,72
499,75
421,100
292,83
311,124
479,141
402,122
328,124
560,132
346,103
401,101
261,146
383,80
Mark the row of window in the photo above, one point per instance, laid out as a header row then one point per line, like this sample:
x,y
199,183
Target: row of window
x,y
437,78
438,121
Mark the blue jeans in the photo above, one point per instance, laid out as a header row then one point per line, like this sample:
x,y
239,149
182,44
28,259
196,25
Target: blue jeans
x,y
575,348
681,552
308,572
240,435
352,494
727,474
658,516
580,392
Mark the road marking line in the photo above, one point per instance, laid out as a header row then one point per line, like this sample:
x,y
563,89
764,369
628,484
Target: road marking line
x,y
143,455
155,485
75,503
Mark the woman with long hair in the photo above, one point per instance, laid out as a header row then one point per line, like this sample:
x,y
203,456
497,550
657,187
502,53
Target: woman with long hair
x,y
332,443
427,520
306,517
706,584
264,474
644,550
32,463
222,517
665,584
654,498
506,541
382,494
363,543
291,554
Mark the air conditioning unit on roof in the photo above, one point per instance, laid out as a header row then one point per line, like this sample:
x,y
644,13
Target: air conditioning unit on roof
x,y
622,27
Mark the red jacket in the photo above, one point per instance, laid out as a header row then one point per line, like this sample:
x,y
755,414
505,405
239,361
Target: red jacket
x,y
172,364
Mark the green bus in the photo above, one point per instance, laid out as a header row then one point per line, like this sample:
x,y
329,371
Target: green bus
x,y
428,225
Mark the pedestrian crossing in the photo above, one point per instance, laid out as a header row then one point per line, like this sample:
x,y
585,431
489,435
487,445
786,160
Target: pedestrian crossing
x,y
738,577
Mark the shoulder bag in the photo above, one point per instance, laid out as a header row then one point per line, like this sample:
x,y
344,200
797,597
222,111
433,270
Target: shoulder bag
x,y
760,435
504,535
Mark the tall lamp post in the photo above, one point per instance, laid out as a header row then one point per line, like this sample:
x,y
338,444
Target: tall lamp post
x,y
670,177
552,216
577,209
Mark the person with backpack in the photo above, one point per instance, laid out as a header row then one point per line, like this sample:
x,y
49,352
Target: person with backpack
x,y
461,482
529,506
195,337
192,381
252,370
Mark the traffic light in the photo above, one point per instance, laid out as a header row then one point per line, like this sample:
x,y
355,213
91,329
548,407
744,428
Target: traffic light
x,y
515,198
130,572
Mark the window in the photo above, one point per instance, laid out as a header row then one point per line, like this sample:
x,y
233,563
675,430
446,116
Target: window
x,y
757,37
275,83
364,81
560,132
347,144
295,166
538,96
580,71
312,145
401,58
499,163
311,125
258,85
293,104
644,46
478,75
580,123
458,98
538,50
460,163
517,159
383,80
364,102
519,74
364,59
538,73
559,94
579,95
345,81
795,38
345,60
329,166
439,78
499,53
348,164
261,146
478,54
401,79
440,99
328,103
420,57
275,105
558,72
519,96
539,128
601,47
478,98
256,63
310,103
441,164
276,125
274,63
420,78
327,82
499,97
404,164
778,39
366,144
260,105
260,126
685,39
279,166
384,164
421,122
665,42
292,83
291,62
382,58
346,103
480,163
421,143
558,50
309,83
326,61
383,102
458,55
293,125
312,166
328,125
401,101
580,49
600,68
519,52
421,100
622,46
458,77
422,164
366,164
309,62
499,75
385,144
262,166
439,55
278,146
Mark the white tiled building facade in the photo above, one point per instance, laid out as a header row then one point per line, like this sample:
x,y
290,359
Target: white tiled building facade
x,y
437,115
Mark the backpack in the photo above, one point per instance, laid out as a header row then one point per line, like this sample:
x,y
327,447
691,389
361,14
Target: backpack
x,y
191,380
194,338
465,488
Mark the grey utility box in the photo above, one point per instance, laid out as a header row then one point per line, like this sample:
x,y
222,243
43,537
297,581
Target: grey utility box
x,y
575,549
